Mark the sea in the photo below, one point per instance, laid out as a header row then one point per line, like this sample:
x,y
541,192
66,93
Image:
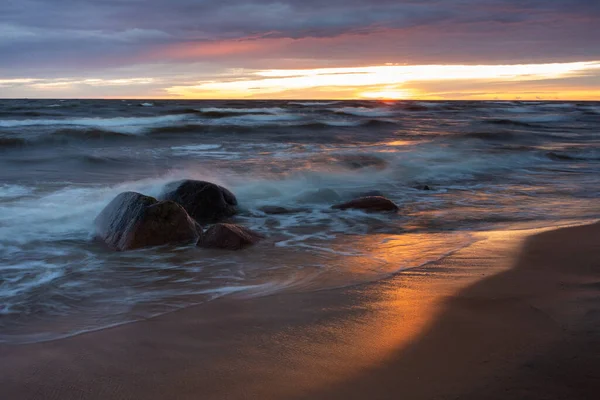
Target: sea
x,y
453,167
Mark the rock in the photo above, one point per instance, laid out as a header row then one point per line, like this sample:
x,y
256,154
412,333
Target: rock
x,y
276,210
132,221
229,236
372,203
203,201
320,196
422,187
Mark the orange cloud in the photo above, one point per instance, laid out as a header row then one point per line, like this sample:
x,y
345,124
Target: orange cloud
x,y
200,50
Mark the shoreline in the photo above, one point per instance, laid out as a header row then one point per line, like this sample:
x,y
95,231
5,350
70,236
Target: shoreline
x,y
416,333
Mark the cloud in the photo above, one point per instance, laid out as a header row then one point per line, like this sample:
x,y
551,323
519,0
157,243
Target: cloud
x,y
579,80
378,78
53,38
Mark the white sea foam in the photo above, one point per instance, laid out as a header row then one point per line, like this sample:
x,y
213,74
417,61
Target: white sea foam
x,y
12,191
196,147
132,125
251,120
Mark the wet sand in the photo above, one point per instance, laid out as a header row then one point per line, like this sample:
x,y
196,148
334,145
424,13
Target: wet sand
x,y
512,316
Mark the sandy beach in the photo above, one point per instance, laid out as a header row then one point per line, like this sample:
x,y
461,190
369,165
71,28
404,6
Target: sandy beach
x,y
515,315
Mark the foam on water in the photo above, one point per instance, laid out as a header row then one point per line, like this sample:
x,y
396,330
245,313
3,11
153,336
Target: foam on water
x,y
131,125
196,147
254,120
13,191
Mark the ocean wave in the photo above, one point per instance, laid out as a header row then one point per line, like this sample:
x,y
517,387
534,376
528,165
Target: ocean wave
x,y
541,119
205,150
131,125
215,112
27,113
6,142
506,121
12,191
313,103
372,122
197,147
364,111
248,122
432,104
254,120
178,128
224,114
100,159
88,133
572,156
492,136
183,111
530,120
262,110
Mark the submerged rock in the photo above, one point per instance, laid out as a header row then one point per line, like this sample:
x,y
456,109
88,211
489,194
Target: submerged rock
x,y
229,236
206,202
132,221
371,203
422,187
276,210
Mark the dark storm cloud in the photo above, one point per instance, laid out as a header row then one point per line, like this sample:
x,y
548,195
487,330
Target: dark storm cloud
x,y
59,33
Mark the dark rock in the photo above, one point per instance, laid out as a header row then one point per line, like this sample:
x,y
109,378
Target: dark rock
x,y
276,210
422,187
320,196
132,221
229,237
204,201
372,203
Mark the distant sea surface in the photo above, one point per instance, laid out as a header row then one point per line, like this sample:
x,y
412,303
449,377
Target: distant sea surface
x,y
487,165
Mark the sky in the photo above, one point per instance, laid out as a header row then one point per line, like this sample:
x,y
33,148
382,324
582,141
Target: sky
x,y
300,49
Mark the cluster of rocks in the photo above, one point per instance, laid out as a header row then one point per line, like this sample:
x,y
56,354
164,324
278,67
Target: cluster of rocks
x,y
133,220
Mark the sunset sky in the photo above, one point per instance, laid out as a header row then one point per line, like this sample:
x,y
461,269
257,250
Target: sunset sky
x,y
428,49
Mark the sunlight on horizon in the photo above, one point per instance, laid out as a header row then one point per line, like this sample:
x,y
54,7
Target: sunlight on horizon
x,y
377,82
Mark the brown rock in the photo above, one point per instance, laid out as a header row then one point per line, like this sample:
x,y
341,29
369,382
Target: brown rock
x,y
229,236
371,203
132,221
